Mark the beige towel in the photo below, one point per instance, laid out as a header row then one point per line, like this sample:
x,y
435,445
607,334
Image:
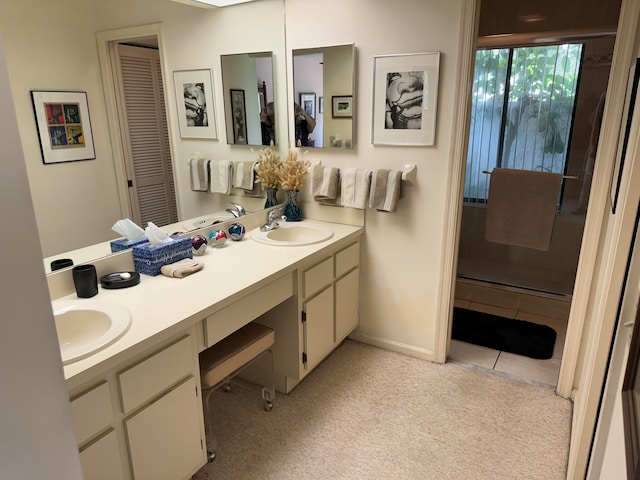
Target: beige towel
x,y
324,183
522,207
221,176
243,175
199,168
181,268
355,184
386,187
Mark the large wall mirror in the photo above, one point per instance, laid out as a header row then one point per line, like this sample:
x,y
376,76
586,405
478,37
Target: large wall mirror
x,y
324,96
247,82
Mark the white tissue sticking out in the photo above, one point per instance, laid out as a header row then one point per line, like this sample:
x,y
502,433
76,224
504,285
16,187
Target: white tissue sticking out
x,y
155,235
128,229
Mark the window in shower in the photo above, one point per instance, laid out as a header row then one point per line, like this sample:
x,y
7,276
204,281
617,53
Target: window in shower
x,y
522,112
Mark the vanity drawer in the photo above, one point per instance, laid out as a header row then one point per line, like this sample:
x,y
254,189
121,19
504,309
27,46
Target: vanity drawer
x,y
318,277
91,412
347,259
101,460
226,321
151,376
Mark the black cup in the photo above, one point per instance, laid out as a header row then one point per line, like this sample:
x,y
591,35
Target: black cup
x,y
61,263
85,280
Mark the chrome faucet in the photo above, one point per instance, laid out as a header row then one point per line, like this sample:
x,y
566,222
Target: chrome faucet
x,y
272,219
237,211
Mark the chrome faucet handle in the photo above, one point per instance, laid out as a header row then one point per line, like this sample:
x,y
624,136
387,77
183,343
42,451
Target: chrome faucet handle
x,y
239,209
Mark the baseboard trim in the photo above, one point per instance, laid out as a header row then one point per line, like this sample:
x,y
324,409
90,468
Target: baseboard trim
x,y
392,346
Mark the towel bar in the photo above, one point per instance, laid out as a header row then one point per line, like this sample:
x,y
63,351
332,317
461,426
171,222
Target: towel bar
x,y
564,177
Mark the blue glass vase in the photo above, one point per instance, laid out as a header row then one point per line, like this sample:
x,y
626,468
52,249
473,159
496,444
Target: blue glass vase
x,y
291,208
272,197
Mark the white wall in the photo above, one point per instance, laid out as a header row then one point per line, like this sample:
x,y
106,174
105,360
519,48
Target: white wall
x,y
36,435
402,252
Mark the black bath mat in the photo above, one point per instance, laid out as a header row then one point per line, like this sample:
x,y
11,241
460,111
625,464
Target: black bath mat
x,y
504,334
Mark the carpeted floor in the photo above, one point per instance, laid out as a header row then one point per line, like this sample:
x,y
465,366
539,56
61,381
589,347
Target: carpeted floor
x,y
366,413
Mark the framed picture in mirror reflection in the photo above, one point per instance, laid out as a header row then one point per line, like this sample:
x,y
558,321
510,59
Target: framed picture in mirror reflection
x,y
196,109
342,106
64,128
239,117
308,103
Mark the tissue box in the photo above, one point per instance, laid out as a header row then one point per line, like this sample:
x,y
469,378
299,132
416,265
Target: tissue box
x,y
123,244
148,259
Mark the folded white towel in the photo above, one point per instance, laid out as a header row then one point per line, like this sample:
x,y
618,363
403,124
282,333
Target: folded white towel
x,y
199,169
324,183
385,191
221,175
243,175
355,185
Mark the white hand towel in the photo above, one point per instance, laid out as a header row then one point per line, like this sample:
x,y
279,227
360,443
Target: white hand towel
x,y
324,183
221,175
199,169
385,191
243,175
355,185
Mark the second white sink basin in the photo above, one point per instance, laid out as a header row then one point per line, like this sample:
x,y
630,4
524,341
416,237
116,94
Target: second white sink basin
x,y
207,220
293,233
87,326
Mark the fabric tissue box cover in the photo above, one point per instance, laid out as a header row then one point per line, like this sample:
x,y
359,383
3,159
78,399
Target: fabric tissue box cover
x,y
149,259
123,244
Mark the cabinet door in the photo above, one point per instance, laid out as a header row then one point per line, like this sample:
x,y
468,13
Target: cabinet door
x,y
347,290
318,328
101,460
164,438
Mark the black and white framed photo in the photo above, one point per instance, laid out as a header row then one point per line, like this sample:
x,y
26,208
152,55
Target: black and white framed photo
x,y
239,118
405,99
64,126
196,108
342,106
308,103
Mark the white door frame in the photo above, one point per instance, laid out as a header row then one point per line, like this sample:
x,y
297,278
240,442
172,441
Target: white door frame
x,y
596,266
106,53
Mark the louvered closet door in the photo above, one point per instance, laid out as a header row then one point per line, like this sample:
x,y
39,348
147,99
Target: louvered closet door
x,y
147,139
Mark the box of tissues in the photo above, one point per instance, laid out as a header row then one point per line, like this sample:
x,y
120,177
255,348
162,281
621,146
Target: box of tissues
x,y
123,244
148,258
132,235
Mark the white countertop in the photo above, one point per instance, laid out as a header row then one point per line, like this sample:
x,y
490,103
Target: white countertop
x,y
162,306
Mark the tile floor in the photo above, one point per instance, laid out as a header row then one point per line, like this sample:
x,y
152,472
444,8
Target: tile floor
x,y
538,371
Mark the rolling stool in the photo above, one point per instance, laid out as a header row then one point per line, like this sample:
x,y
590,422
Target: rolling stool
x,y
224,360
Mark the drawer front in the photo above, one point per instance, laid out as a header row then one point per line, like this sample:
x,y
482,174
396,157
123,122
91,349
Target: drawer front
x,y
91,412
101,460
318,277
347,259
150,377
226,321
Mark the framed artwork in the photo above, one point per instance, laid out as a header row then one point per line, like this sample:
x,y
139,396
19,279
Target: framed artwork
x,y
342,106
405,99
196,108
64,126
321,105
308,103
239,117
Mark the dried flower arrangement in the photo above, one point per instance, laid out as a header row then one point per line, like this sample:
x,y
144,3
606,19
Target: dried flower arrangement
x,y
292,171
268,167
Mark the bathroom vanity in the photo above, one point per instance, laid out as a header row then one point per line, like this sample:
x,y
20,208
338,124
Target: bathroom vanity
x,y
136,404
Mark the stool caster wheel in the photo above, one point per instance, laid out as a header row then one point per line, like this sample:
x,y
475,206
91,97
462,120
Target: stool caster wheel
x,y
226,388
268,406
211,456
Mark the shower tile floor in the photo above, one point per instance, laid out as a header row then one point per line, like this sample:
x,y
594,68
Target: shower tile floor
x,y
530,369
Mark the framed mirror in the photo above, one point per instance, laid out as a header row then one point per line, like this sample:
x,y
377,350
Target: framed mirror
x,y
324,97
247,83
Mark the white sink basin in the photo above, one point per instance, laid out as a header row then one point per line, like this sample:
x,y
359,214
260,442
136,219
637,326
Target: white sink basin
x,y
207,220
293,233
86,326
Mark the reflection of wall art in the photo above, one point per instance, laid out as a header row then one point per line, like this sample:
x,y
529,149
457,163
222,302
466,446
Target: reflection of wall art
x,y
405,99
342,107
321,105
196,108
308,103
64,127
239,117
